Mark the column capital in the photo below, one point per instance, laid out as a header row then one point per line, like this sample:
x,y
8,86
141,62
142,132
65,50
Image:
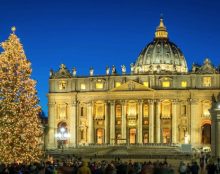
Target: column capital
x,y
123,102
193,101
151,101
74,103
112,102
51,104
90,103
158,101
140,101
175,101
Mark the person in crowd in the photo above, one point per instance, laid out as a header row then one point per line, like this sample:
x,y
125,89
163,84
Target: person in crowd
x,y
194,168
182,168
211,167
84,169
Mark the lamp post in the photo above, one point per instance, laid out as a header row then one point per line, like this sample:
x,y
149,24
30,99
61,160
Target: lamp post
x,y
62,135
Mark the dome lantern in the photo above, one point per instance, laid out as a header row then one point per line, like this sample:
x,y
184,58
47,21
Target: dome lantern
x,y
161,31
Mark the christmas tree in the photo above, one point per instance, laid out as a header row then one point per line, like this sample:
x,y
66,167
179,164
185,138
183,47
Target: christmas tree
x,y
20,126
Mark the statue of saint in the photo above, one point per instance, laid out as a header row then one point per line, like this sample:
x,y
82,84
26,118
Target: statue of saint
x,y
123,69
132,67
113,69
74,71
51,73
107,70
91,71
186,138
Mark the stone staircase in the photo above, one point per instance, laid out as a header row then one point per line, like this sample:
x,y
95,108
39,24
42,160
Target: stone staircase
x,y
123,151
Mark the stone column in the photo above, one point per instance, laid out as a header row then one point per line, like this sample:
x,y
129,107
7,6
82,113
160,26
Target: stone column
x,y
193,121
215,128
158,113
140,120
123,122
90,123
72,117
151,121
52,126
106,123
112,122
174,120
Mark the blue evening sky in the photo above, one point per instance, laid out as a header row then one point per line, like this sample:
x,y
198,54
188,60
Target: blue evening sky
x,y
97,33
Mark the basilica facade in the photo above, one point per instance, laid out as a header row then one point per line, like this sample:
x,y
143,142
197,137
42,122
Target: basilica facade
x,y
159,100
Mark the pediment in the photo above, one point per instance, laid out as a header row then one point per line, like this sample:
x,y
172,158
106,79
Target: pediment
x,y
131,86
63,72
207,68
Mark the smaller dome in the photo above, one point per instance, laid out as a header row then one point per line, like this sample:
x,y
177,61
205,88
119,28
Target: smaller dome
x,y
161,55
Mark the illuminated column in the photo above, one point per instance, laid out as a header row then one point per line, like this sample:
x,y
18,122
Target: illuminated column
x,y
215,128
140,118
106,123
193,121
151,121
72,119
158,111
52,126
90,123
112,122
174,120
123,121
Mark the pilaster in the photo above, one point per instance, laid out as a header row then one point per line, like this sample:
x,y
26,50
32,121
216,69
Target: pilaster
x,y
140,121
151,121
106,123
51,125
123,122
193,121
72,118
174,120
90,123
158,113
112,122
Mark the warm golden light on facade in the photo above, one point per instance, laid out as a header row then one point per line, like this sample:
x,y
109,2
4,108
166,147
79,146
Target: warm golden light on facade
x,y
146,84
184,84
160,101
207,81
166,84
117,84
83,86
99,85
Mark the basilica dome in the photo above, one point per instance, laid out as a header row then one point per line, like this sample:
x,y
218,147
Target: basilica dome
x,y
161,55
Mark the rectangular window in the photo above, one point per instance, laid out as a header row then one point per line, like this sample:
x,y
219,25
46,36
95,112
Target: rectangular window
x,y
146,84
99,85
82,86
207,81
145,110
166,84
117,84
118,110
183,84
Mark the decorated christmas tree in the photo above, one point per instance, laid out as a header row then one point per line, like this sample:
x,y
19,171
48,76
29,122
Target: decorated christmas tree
x,y
20,126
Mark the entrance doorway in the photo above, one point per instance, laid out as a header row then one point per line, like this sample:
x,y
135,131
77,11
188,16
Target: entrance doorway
x,y
206,134
166,135
132,135
100,136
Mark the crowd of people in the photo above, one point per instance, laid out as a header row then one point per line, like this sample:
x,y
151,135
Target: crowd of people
x,y
117,166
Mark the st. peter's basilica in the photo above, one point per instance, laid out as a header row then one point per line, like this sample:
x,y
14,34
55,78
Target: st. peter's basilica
x,y
158,101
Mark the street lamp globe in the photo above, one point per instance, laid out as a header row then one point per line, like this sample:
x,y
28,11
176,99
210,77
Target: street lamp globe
x,y
62,129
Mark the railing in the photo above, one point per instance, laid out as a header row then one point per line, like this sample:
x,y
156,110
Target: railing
x,y
132,145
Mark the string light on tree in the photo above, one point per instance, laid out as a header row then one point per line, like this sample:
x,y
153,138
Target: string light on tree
x,y
20,127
